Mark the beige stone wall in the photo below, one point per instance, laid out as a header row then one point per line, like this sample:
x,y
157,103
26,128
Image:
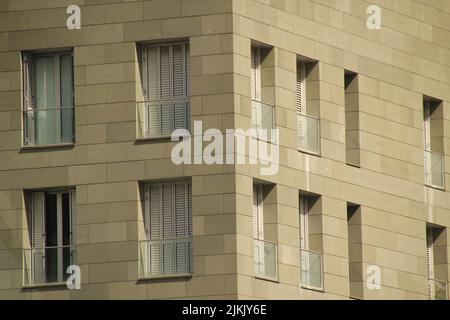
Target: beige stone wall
x,y
408,58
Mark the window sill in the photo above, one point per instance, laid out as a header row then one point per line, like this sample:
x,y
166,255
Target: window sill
x,y
48,147
153,139
435,187
311,153
267,279
45,285
169,276
312,288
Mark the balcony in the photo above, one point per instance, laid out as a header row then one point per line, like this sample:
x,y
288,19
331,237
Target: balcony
x,y
437,289
161,118
165,258
308,133
263,120
434,169
50,126
311,266
266,259
47,266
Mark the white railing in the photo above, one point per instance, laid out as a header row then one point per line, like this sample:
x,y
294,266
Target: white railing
x,y
438,289
434,169
263,119
308,133
161,118
266,259
47,265
48,126
311,266
169,257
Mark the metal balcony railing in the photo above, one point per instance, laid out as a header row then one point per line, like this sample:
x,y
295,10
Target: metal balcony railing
x,y
266,259
164,258
311,266
47,265
437,289
434,169
161,118
48,126
263,119
308,133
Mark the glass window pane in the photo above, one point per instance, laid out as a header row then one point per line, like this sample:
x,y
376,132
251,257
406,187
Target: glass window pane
x,y
47,121
66,71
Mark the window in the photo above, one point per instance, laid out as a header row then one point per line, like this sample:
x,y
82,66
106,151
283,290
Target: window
x,y
352,138
437,262
48,98
265,252
308,123
168,227
263,118
53,236
166,89
433,137
311,264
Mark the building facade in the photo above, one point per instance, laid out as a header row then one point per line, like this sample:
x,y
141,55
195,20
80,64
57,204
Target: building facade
x,y
359,207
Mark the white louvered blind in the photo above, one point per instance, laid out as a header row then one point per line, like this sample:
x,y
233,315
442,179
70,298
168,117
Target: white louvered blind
x,y
256,74
28,100
169,227
430,260
73,217
38,235
301,103
426,126
258,215
167,87
303,227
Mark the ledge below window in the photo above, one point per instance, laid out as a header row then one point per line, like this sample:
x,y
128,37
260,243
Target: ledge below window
x,y
164,277
44,147
45,285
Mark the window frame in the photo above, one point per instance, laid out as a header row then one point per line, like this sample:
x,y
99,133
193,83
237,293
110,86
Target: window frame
x,y
29,95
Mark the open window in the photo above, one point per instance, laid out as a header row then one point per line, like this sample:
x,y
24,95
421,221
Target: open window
x,y
52,218
437,267
48,108
262,88
433,140
265,247
311,263
308,113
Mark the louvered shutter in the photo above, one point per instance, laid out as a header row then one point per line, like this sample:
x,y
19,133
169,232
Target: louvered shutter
x,y
258,229
303,227
188,85
255,74
430,262
179,88
168,228
426,126
153,228
73,218
301,104
189,225
38,240
151,91
28,99
73,227
181,226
